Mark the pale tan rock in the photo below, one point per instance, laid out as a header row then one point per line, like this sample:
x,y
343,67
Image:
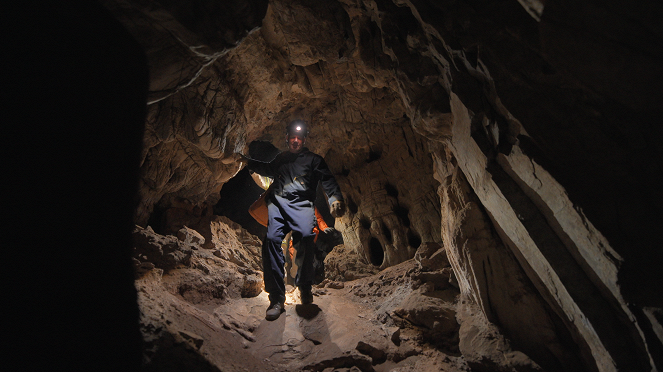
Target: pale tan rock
x,y
483,345
252,285
343,264
434,310
227,245
431,256
190,237
164,252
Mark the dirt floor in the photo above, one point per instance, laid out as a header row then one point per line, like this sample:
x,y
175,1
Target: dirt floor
x,y
203,309
349,326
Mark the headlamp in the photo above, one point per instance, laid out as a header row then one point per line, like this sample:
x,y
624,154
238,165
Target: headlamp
x,y
298,127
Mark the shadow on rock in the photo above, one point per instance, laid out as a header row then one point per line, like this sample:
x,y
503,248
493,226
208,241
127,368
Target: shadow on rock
x,y
308,311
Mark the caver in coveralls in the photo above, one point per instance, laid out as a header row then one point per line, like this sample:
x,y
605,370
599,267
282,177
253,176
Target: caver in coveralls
x,y
296,174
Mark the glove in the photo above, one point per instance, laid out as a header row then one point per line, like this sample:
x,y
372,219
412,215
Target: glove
x,y
337,209
329,230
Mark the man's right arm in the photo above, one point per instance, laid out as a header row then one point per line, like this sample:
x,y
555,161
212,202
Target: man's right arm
x,y
262,168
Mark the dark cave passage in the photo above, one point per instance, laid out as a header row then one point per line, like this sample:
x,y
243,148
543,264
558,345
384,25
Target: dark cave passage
x,y
236,197
376,251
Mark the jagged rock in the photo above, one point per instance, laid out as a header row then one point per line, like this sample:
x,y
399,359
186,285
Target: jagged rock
x,y
378,356
232,243
252,285
435,311
403,352
395,335
164,252
195,340
431,256
350,359
335,285
485,348
179,335
440,280
190,237
343,264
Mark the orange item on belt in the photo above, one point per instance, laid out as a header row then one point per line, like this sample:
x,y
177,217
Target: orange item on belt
x,y
322,226
259,211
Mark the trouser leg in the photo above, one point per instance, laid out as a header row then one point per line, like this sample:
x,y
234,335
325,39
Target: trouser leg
x,y
301,219
272,256
304,261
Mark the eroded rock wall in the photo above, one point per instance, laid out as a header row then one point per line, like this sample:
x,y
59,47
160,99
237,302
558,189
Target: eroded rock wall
x,y
502,130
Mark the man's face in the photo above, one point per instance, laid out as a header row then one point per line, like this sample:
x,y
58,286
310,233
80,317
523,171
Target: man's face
x,y
296,143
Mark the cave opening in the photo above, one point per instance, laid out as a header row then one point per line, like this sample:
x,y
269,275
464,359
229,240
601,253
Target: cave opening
x,y
403,214
352,206
413,240
376,252
391,190
386,232
235,198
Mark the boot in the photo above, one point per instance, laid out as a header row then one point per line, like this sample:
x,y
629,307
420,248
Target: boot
x,y
274,311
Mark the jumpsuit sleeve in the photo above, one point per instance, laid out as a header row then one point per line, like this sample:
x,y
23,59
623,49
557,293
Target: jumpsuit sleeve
x,y
327,180
262,168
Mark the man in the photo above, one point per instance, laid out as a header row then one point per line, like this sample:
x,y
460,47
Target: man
x,y
296,174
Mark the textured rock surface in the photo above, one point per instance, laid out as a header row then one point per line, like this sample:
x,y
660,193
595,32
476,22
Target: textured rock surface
x,y
178,283
195,316
520,137
344,264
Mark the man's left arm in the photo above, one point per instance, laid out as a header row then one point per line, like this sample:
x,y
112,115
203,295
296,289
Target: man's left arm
x,y
331,188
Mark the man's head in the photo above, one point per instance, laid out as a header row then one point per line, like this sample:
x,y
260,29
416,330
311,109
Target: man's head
x,y
295,135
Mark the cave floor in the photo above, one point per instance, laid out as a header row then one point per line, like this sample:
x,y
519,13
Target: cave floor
x,y
345,329
317,336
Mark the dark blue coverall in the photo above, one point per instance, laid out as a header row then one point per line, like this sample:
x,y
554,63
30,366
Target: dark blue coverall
x,y
290,205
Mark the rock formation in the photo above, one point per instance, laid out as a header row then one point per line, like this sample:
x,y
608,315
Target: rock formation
x,y
509,148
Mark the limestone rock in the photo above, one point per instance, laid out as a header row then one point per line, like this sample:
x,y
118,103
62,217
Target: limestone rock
x,y
435,311
484,348
440,280
377,354
190,237
252,285
343,264
349,359
164,252
234,244
431,256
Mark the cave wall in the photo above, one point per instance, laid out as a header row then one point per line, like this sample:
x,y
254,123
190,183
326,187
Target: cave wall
x,y
521,135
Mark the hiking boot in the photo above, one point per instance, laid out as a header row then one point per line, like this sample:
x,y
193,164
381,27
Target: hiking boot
x,y
306,296
274,311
